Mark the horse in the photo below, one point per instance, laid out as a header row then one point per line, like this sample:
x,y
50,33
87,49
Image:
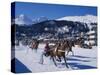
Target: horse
x,y
34,44
57,51
79,41
70,44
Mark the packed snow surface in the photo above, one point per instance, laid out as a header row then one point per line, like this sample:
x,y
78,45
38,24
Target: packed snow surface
x,y
82,59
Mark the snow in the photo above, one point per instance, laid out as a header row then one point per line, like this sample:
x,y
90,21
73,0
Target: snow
x,y
85,19
82,59
63,29
88,19
42,18
92,41
92,36
91,32
86,42
23,20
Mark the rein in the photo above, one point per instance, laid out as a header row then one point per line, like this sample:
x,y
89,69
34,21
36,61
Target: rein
x,y
61,51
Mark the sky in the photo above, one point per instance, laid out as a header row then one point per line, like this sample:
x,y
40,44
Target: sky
x,y
52,11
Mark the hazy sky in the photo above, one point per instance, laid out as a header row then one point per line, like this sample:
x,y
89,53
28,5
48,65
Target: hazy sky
x,y
52,11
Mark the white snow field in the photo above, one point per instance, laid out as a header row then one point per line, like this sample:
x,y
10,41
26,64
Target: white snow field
x,y
82,59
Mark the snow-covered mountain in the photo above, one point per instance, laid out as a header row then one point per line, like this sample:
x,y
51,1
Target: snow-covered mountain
x,y
84,19
69,26
88,19
40,19
23,20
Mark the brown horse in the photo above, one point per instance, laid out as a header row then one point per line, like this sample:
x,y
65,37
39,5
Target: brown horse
x,y
58,51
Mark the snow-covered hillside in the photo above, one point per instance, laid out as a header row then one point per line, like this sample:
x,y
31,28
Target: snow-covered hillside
x,y
65,27
82,59
23,20
84,19
40,19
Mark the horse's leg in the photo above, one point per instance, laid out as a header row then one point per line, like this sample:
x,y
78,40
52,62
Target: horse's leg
x,y
58,58
65,61
72,53
54,61
41,59
36,48
67,52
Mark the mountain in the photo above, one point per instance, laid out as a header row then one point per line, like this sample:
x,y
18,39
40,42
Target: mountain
x,y
69,26
40,19
84,19
88,19
23,20
52,29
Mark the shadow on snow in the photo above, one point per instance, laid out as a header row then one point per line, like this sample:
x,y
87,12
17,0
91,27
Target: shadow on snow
x,y
18,67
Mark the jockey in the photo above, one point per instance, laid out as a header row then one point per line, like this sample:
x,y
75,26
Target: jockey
x,y
45,52
47,48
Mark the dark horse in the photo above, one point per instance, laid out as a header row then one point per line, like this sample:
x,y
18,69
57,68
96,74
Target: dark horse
x,y
79,42
34,44
70,44
59,51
